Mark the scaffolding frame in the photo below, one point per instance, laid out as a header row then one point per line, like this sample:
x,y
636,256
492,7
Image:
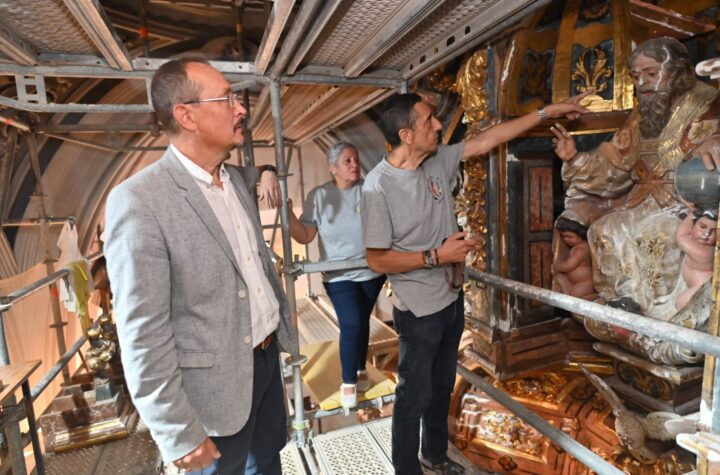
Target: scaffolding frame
x,y
113,62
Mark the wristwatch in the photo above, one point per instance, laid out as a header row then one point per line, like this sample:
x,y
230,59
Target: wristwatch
x,y
267,168
428,258
543,114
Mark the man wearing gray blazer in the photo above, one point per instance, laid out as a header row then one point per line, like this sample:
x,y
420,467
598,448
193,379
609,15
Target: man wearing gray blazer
x,y
199,308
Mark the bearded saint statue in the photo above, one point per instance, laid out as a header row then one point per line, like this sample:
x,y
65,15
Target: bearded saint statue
x,y
624,191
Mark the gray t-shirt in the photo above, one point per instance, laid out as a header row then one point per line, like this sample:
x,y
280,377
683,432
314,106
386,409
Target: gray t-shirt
x,y
410,211
336,215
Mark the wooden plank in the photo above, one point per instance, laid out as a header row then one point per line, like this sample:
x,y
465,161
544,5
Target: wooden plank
x,y
12,376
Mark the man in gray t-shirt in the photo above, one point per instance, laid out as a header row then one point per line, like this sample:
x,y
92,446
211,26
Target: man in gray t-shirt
x,y
411,235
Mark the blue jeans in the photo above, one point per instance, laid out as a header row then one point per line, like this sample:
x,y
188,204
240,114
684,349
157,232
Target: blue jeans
x,y
353,302
255,450
426,371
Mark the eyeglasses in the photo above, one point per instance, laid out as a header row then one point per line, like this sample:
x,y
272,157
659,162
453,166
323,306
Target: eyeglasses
x,y
232,99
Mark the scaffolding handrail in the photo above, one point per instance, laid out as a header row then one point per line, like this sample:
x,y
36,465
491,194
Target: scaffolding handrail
x,y
695,340
692,339
589,458
308,267
9,300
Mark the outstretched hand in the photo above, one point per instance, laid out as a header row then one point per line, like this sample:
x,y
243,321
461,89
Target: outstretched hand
x,y
455,248
569,108
563,143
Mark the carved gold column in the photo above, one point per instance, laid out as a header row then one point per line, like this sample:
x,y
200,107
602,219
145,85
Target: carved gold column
x,y
470,205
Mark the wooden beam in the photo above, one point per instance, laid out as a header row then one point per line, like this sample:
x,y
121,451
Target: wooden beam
x,y
101,33
276,23
15,48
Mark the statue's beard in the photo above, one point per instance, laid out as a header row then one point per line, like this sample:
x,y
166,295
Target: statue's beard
x,y
655,111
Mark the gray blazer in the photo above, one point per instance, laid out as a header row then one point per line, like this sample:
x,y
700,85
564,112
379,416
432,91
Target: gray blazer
x,y
181,306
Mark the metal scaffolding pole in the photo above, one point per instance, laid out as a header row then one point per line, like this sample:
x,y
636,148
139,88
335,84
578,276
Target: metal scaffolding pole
x,y
12,428
57,324
695,340
22,223
7,160
277,213
103,147
144,33
300,424
302,203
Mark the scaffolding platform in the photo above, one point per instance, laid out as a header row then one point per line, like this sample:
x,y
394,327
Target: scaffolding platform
x,y
322,375
314,325
366,449
137,455
383,341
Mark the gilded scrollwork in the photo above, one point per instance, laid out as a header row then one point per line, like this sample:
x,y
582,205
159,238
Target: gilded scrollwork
x,y
546,386
591,71
644,382
668,464
440,81
470,205
672,463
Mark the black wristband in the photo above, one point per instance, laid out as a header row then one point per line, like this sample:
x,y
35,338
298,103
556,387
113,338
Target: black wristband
x,y
267,168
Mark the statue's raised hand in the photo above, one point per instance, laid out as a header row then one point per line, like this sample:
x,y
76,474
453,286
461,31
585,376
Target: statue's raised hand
x,y
563,143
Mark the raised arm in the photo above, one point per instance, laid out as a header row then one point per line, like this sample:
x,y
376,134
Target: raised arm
x,y
505,131
299,232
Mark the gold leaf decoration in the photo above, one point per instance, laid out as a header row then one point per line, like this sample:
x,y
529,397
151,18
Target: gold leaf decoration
x,y
597,76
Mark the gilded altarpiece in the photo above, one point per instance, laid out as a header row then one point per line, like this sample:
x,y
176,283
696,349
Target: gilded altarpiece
x,y
565,49
526,348
498,441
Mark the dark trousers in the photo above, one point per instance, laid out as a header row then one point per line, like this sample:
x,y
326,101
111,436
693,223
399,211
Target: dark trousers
x,y
426,371
353,302
256,448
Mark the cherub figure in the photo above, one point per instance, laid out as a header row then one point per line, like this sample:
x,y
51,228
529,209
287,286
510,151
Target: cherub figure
x,y
573,273
696,237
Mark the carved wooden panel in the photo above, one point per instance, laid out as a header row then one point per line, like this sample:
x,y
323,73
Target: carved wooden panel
x,y
541,198
531,194
540,266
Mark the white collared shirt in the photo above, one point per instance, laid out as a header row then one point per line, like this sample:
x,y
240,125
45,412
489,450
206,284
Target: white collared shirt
x,y
235,222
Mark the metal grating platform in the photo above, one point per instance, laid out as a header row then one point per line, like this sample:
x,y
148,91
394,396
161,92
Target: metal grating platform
x,y
367,449
47,25
134,455
351,451
292,463
381,431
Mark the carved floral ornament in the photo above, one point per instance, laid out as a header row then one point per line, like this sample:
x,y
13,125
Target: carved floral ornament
x,y
591,71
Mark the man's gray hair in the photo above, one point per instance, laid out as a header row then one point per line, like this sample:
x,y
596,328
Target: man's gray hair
x,y
171,86
334,152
